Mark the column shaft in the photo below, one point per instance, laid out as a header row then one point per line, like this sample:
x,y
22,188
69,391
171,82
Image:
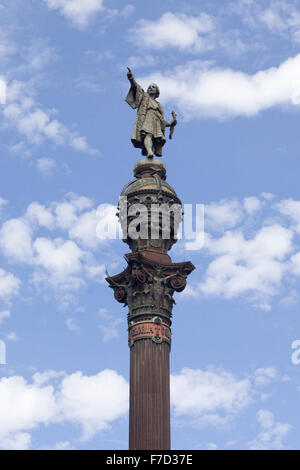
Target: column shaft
x,y
149,417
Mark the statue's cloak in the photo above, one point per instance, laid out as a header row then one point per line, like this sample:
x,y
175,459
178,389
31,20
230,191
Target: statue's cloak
x,y
150,119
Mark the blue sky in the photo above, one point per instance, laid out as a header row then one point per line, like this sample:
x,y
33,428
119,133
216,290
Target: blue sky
x,y
232,73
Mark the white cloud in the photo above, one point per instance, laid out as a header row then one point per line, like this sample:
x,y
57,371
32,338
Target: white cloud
x,y
145,60
258,255
84,229
87,228
46,165
63,445
17,441
22,111
103,313
295,264
271,433
9,285
173,30
23,407
277,17
267,196
249,258
215,396
91,402
282,16
202,90
95,402
3,91
223,214
211,446
37,213
108,226
291,209
42,378
37,54
66,212
264,376
251,204
95,271
128,10
208,395
7,48
80,202
21,148
79,12
58,256
12,336
58,262
60,267
291,299
36,124
4,314
248,266
72,325
111,331
89,83
272,19
15,240
3,203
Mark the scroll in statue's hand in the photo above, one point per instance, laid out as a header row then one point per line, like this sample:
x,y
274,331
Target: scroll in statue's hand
x,y
173,124
174,120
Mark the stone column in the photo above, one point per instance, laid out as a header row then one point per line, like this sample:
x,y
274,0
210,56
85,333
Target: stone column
x,y
147,286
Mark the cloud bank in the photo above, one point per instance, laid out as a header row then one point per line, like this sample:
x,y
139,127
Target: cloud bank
x,y
173,30
79,12
201,89
93,403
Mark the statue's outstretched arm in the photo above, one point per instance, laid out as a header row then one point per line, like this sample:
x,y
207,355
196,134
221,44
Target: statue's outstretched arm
x,y
131,78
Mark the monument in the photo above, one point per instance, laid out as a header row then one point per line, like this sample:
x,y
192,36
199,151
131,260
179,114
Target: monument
x,y
149,212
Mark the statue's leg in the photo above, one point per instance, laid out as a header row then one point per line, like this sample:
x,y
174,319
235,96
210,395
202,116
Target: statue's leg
x,y
158,148
148,143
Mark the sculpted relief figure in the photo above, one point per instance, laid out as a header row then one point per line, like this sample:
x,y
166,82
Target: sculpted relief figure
x,y
149,129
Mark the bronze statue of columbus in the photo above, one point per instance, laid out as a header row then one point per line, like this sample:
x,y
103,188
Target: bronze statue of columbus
x,y
149,129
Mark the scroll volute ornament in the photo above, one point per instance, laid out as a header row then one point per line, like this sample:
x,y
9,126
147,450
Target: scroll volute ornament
x,y
178,283
120,294
139,275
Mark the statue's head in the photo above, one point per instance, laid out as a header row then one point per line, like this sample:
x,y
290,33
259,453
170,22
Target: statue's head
x,y
153,90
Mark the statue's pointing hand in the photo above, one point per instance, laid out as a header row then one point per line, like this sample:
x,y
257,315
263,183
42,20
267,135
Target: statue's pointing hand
x,y
129,74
